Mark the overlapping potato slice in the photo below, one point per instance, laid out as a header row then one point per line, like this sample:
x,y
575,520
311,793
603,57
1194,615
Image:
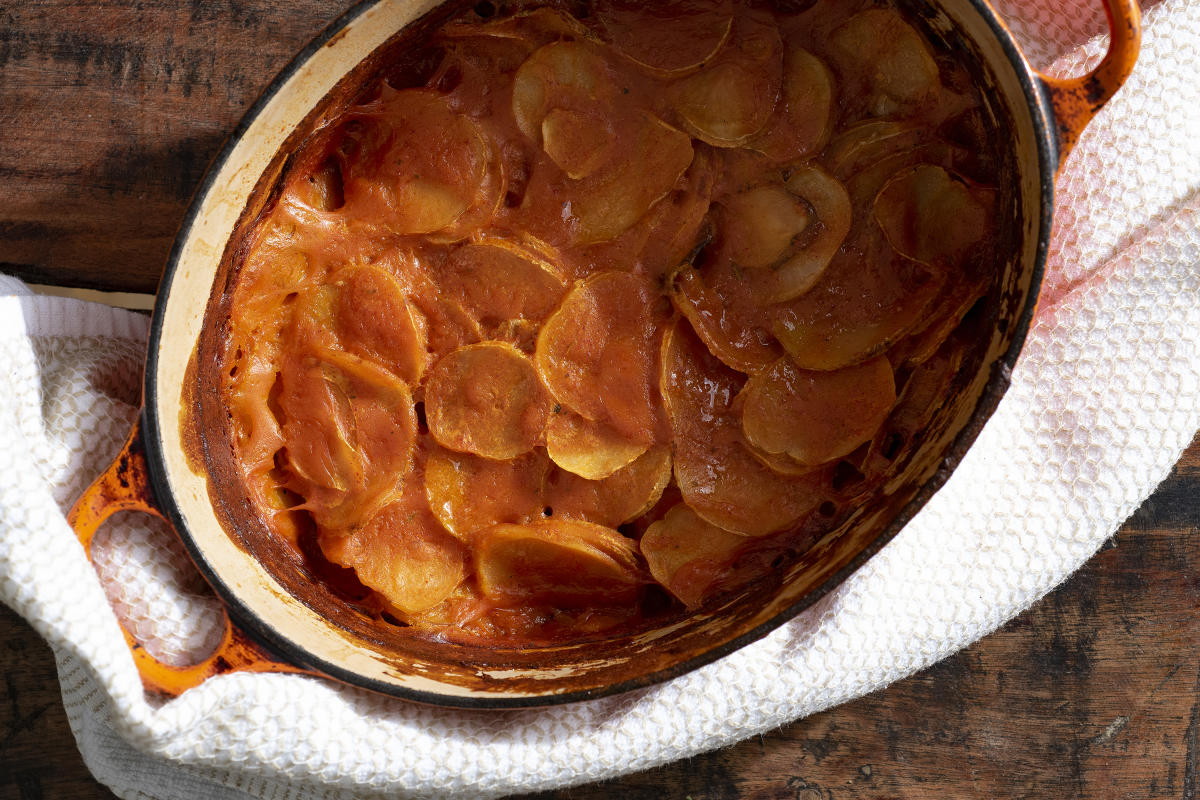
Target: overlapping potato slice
x,y
781,463
727,486
794,229
923,394
733,96
865,185
648,158
760,224
955,301
348,429
869,142
717,475
591,450
830,205
578,142
486,399
815,417
688,555
569,76
931,215
667,39
654,156
868,297
468,493
536,27
374,320
622,495
597,353
402,553
559,563
726,318
446,324
881,58
803,118
671,231
258,435
258,316
499,281
413,165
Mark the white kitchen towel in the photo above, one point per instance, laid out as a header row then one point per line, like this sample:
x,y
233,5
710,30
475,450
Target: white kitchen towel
x,y
1103,401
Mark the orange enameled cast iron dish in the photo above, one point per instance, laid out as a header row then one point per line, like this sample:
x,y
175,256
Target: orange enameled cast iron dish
x,y
280,620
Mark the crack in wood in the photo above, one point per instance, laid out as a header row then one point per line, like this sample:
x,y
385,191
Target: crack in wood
x,y
1191,735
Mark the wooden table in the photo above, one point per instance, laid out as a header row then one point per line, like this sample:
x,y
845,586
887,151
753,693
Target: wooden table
x,y
110,114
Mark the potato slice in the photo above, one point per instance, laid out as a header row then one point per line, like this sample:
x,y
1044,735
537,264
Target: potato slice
x,y
318,426
670,231
374,320
446,324
558,563
831,206
869,142
348,428
717,476
687,555
591,450
579,142
667,39
780,463
536,27
733,329
697,389
955,300
413,165
615,499
923,395
815,417
882,58
499,281
597,353
731,98
727,486
760,224
571,76
611,201
319,190
933,216
868,297
648,156
404,554
486,399
802,121
468,493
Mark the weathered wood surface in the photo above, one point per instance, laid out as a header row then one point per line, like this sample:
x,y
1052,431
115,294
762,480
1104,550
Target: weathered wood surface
x,y
109,114
1093,694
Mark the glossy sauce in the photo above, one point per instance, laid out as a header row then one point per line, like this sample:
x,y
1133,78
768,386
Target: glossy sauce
x,y
612,315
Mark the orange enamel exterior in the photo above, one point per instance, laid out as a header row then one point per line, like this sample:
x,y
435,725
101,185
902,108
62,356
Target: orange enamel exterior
x,y
1076,101
125,486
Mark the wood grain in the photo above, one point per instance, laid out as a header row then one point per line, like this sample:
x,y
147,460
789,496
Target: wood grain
x,y
112,111
1094,693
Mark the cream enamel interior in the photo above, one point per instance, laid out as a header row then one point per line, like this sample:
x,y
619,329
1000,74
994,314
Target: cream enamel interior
x,y
201,252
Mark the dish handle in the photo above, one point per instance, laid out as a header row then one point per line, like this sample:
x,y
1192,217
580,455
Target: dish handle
x,y
125,486
1075,101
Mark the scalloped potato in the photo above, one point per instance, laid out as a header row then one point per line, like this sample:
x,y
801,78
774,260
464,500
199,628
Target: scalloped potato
x,y
593,319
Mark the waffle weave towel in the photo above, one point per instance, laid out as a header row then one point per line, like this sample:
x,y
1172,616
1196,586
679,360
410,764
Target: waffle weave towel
x,y
1103,401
